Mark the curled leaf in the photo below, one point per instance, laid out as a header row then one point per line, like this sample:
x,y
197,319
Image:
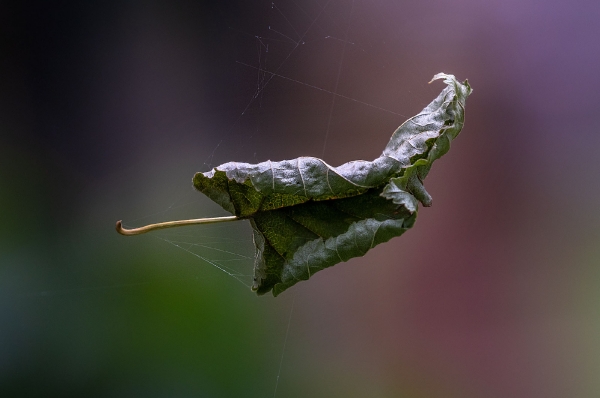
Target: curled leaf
x,y
307,215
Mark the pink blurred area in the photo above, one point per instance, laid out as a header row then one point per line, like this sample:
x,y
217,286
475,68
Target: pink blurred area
x,y
494,291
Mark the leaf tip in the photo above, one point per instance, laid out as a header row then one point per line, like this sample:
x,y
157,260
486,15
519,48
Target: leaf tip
x,y
442,75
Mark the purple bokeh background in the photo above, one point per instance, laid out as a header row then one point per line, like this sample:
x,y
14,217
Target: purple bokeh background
x,y
108,109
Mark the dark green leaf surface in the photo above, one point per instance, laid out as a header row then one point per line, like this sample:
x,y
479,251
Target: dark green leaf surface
x,y
307,215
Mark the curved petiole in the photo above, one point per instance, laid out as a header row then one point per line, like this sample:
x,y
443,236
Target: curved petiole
x,y
171,224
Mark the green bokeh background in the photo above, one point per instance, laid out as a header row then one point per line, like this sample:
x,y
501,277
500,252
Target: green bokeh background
x,y
107,111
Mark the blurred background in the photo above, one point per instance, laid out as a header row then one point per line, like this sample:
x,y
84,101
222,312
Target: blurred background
x,y
109,108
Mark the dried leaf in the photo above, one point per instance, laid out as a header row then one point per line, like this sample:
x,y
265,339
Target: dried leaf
x,y
307,215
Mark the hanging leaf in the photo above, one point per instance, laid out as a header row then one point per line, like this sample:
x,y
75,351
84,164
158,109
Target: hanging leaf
x,y
307,215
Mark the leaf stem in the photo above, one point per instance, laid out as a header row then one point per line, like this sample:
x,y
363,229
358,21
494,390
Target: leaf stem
x,y
171,224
